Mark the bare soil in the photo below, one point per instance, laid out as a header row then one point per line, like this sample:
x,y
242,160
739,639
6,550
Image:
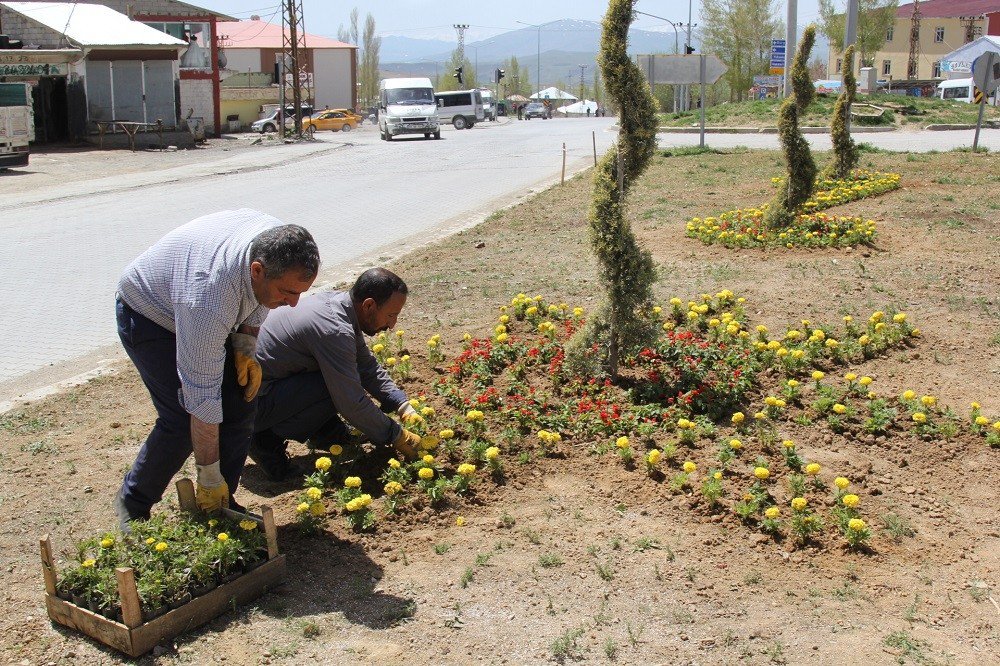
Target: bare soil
x,y
577,558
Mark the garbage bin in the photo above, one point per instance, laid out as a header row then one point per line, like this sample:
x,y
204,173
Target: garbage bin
x,y
234,122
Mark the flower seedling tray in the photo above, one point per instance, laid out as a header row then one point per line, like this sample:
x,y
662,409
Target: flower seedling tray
x,y
133,636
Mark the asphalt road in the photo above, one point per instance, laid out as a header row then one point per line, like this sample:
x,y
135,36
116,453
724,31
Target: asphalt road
x,y
363,203
63,248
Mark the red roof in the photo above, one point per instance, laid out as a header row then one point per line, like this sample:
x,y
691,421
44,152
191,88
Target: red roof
x,y
950,8
262,35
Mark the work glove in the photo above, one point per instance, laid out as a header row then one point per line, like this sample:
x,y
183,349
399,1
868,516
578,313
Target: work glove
x,y
248,372
406,444
405,411
212,492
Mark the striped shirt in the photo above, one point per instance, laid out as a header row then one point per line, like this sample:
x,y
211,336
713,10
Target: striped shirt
x,y
195,282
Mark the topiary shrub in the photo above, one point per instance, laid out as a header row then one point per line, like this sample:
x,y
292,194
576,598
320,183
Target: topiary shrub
x,y
620,324
845,152
801,178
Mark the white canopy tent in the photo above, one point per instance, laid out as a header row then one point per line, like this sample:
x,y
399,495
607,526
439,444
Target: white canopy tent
x,y
580,108
552,93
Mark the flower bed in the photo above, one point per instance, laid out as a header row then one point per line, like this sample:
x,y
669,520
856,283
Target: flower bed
x,y
167,575
744,227
704,412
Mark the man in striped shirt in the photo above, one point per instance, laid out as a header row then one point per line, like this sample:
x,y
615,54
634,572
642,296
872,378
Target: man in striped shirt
x,y
189,309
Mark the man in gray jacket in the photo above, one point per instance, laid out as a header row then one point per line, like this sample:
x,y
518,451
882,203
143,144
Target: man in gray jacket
x,y
317,368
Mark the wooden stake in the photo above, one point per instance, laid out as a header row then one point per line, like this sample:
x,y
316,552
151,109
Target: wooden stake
x,y
270,531
131,608
186,496
48,564
594,137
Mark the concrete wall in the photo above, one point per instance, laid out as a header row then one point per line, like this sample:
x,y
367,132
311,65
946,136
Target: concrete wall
x,y
244,60
332,78
198,100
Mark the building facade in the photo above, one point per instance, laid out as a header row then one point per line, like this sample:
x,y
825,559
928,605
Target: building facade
x,y
942,25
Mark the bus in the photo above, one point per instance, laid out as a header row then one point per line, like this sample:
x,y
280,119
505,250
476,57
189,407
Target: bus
x,y
461,108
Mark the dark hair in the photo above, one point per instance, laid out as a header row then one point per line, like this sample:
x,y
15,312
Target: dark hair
x,y
378,284
280,249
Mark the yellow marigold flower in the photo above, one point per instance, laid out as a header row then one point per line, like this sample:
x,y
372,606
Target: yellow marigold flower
x,y
466,469
996,426
759,416
717,476
317,509
354,504
761,473
248,525
391,361
428,459
414,402
657,309
447,433
976,406
622,442
770,401
856,524
839,409
653,456
797,353
762,329
982,421
467,336
426,473
841,482
675,301
812,469
432,343
149,541
735,444
818,334
474,416
314,493
880,326
323,463
799,503
460,521
413,418
577,312
919,417
88,563
400,333
160,547
302,507
429,442
738,418
773,344
850,501
877,316
531,311
107,542
492,453
899,318
909,395
782,352
864,340
928,401
504,319
818,375
772,512
848,319
850,376
788,444
792,383
689,467
352,482
427,411
393,463
393,487
222,536
378,348
865,381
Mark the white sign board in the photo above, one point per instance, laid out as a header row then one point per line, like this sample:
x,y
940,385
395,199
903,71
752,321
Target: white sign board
x,y
680,69
986,72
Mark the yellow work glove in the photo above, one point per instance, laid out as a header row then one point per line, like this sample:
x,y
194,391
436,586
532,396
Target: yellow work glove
x,y
212,493
248,372
405,411
406,444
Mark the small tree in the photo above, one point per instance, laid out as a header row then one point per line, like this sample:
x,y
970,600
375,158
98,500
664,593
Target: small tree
x,y
845,152
627,272
801,176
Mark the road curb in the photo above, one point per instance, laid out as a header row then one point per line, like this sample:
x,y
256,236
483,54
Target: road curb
x,y
766,130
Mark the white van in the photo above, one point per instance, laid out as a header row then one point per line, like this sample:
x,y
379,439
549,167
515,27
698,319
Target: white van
x,y
406,106
959,90
461,108
489,106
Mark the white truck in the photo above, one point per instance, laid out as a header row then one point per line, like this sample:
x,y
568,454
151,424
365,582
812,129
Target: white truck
x,y
407,106
17,124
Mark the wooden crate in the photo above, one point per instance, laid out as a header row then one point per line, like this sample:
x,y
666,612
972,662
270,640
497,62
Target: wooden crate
x,y
135,637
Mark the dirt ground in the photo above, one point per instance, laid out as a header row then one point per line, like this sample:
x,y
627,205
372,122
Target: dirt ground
x,y
577,559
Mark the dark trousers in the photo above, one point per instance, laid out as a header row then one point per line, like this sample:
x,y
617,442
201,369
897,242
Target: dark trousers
x,y
153,350
299,407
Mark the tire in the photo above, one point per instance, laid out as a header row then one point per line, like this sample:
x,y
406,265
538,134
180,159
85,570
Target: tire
x,y
346,128
471,125
381,133
388,135
427,135
269,127
437,134
459,122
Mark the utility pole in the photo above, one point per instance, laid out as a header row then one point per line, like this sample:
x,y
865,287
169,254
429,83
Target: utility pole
x,y
686,97
460,28
911,65
582,91
850,37
293,46
791,34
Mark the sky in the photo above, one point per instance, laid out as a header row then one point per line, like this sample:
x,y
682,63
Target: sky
x,y
433,19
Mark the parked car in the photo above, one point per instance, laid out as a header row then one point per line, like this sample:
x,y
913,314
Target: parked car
x,y
535,110
269,123
335,120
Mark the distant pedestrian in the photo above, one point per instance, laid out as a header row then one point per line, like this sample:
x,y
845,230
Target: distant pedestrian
x,y
588,111
520,111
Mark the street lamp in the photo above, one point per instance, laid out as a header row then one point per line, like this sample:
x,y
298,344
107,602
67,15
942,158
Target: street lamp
x,y
538,58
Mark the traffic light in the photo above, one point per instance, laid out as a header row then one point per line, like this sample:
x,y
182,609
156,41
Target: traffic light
x,y
499,74
458,75
688,49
